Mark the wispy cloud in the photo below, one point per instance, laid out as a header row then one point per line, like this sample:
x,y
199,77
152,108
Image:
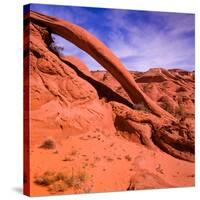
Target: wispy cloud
x,y
140,39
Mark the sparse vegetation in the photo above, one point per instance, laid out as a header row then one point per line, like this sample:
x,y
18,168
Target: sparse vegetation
x,y
97,130
46,179
87,189
66,158
159,169
112,144
58,186
96,158
48,144
109,159
73,152
82,176
59,182
92,165
82,138
128,157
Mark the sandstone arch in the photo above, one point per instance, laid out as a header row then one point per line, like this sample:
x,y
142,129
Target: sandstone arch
x,y
102,54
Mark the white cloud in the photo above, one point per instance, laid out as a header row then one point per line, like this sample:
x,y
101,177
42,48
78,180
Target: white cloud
x,y
161,41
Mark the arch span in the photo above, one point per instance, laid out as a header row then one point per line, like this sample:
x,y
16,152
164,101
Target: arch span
x,y
102,54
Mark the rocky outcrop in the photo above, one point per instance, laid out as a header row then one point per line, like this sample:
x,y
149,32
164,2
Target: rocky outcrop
x,y
92,122
134,125
59,98
57,78
146,180
176,140
102,89
90,44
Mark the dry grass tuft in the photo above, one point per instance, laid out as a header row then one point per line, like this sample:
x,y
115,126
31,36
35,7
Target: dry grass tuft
x,y
67,159
48,144
74,152
59,182
109,159
128,157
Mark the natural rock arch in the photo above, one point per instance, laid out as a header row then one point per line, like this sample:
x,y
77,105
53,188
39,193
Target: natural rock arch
x,y
102,54
161,122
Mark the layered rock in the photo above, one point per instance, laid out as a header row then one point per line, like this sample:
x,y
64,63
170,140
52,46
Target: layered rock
x,y
148,117
89,43
146,180
58,95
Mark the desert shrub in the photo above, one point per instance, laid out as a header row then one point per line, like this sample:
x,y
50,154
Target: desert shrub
x,y
41,181
87,189
58,186
82,176
96,158
112,144
109,159
71,181
73,152
67,159
159,169
77,180
59,182
128,157
92,165
48,144
60,176
46,179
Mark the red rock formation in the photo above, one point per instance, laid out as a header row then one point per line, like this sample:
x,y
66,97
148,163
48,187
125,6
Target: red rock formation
x,y
145,180
95,128
176,139
87,42
58,93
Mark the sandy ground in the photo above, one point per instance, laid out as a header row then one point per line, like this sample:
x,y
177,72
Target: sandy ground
x,y
108,160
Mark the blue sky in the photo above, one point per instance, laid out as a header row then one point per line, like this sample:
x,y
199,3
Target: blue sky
x,y
141,39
